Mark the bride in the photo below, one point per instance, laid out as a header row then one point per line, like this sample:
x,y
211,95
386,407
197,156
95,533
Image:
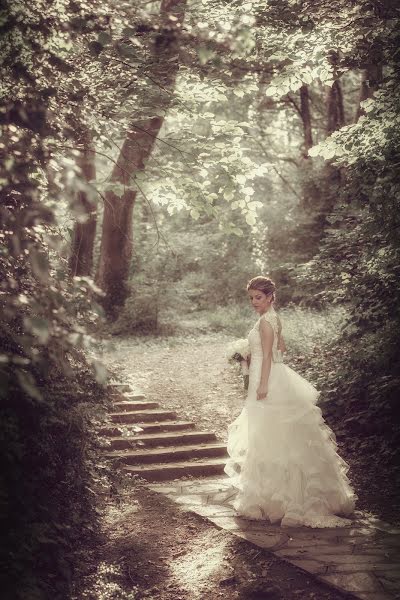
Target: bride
x,y
283,458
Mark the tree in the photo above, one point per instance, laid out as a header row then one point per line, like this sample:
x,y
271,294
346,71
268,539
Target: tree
x,y
82,245
116,240
371,78
306,119
334,107
332,176
47,386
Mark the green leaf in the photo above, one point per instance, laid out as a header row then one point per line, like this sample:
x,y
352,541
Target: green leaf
x,y
229,195
241,179
28,384
95,48
315,150
237,231
251,219
127,51
39,327
205,54
249,191
128,32
271,91
104,38
40,264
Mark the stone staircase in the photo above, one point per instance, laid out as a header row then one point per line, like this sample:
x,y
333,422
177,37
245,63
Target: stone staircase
x,y
154,444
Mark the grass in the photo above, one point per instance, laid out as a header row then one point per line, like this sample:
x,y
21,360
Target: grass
x,y
303,329
306,330
235,319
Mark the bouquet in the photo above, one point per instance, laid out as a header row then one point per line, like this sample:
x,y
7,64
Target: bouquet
x,y
239,352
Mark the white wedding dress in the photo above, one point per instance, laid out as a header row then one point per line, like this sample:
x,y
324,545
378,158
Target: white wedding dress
x,y
283,458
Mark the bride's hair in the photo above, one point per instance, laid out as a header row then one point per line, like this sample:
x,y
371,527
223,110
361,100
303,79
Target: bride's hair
x,y
263,284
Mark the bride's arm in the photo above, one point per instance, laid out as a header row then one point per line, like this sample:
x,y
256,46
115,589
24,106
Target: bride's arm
x,y
267,338
281,345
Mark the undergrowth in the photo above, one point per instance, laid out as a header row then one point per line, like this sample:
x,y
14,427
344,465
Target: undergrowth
x,y
49,485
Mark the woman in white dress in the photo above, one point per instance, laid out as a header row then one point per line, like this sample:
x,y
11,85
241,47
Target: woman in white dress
x,y
283,458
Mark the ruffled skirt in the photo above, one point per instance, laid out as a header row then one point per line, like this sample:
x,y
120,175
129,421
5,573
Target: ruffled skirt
x,y
283,457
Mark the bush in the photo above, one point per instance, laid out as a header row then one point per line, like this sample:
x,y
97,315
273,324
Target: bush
x,y
49,472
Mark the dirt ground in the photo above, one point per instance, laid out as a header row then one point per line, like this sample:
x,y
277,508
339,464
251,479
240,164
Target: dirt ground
x,y
153,549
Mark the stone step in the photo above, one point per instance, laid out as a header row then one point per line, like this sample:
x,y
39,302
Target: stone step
x,y
161,439
162,426
128,396
142,415
164,472
119,387
133,406
167,455
135,395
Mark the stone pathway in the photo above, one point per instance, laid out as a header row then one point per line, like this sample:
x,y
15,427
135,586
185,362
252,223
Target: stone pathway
x,y
363,559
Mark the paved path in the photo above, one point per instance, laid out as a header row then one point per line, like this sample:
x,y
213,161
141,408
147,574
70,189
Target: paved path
x,y
363,559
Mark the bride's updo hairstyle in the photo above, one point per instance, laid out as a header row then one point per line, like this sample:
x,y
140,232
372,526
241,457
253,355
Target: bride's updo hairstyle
x,y
263,284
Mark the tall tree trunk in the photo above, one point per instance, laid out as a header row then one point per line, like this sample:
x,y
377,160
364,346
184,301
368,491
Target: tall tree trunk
x,y
81,258
116,241
332,175
370,79
306,119
335,108
309,190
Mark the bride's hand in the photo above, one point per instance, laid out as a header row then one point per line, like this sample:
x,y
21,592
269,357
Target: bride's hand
x,y
262,392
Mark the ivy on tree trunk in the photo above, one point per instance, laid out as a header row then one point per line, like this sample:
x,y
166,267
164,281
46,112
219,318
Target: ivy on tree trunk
x,y
81,257
370,80
335,108
306,119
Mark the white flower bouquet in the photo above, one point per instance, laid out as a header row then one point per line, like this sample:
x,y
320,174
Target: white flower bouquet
x,y
239,351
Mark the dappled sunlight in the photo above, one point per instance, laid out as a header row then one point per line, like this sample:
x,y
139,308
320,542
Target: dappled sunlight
x,y
106,584
119,519
194,570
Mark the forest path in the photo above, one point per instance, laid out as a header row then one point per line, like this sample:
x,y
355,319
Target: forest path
x,y
191,376
152,547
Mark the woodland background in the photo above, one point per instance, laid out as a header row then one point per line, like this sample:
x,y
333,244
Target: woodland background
x,y
155,156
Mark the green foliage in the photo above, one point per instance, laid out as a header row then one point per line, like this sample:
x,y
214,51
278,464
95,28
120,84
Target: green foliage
x,y
47,483
48,392
183,267
234,319
359,256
